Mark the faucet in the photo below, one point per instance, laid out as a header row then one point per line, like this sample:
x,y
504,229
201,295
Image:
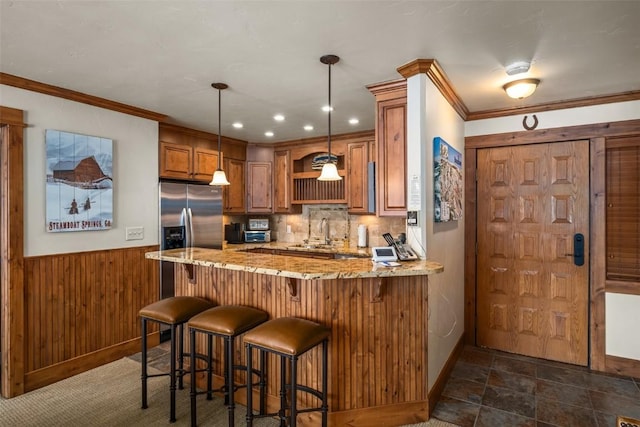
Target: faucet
x,y
325,224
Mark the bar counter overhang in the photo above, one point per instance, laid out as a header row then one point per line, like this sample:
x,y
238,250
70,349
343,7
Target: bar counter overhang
x,y
377,315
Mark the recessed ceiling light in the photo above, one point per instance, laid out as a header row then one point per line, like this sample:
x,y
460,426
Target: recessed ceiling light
x,y
308,128
278,118
354,121
326,108
268,133
238,125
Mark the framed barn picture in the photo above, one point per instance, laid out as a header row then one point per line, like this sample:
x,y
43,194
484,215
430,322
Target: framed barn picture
x,y
79,194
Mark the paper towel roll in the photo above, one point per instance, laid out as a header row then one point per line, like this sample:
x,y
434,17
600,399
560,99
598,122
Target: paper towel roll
x,y
362,236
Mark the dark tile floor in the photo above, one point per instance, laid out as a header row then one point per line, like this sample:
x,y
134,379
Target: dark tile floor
x,y
492,388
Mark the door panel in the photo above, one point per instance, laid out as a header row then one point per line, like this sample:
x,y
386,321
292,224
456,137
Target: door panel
x,y
532,299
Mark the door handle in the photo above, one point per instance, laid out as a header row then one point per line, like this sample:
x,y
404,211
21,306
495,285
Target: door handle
x,y
578,249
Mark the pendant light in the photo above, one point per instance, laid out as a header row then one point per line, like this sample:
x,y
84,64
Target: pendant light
x,y
329,170
219,177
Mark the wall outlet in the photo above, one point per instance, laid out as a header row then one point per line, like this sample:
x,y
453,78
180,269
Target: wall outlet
x,y
288,229
134,233
412,218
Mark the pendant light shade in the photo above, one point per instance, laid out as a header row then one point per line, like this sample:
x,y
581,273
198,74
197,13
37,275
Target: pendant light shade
x,y
329,169
219,177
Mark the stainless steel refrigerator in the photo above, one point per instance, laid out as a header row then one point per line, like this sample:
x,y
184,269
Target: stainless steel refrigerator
x,y
190,216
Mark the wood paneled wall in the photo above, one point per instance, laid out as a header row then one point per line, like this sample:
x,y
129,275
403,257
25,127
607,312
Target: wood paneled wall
x,y
378,346
81,309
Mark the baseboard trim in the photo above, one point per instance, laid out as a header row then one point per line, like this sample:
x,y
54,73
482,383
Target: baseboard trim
x,y
54,373
622,366
438,386
380,416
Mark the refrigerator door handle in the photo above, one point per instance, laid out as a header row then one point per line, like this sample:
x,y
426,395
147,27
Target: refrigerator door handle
x,y
190,240
184,221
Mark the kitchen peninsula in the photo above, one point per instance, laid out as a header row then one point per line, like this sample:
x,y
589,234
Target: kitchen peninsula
x,y
377,315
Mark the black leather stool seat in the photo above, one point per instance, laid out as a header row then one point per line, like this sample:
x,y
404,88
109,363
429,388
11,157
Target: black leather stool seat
x,y
174,312
226,321
288,338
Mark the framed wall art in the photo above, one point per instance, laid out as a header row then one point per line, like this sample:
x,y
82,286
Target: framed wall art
x,y
448,184
79,193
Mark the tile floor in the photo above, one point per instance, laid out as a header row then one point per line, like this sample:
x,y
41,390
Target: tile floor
x,y
492,388
489,388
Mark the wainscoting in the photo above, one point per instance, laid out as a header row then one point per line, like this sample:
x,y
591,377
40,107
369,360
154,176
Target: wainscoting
x,y
81,310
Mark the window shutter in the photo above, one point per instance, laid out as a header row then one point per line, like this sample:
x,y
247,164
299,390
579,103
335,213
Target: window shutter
x,y
623,209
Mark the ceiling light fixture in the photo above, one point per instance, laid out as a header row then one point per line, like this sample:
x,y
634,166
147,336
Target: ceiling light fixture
x,y
308,128
219,177
278,118
329,170
238,125
268,133
354,121
519,89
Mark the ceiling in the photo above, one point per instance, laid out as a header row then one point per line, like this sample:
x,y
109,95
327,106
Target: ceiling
x,y
163,55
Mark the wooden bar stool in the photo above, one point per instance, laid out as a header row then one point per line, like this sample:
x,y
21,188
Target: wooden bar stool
x,y
289,338
173,312
227,322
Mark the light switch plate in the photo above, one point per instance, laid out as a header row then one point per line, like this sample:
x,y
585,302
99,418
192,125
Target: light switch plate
x,y
134,233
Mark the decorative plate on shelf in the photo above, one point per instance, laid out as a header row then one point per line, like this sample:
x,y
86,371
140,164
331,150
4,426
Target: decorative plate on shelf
x,y
321,159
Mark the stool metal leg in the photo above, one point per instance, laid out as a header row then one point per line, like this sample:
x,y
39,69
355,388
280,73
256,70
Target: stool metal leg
x,y
172,376
229,379
144,363
294,390
283,392
263,382
249,388
192,344
325,357
181,357
209,366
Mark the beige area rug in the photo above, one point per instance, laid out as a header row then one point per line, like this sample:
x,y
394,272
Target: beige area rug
x,y
110,396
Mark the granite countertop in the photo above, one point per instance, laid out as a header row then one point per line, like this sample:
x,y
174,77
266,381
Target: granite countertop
x,y
240,258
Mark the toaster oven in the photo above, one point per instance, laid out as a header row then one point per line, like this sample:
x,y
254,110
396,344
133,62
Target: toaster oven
x,y
257,236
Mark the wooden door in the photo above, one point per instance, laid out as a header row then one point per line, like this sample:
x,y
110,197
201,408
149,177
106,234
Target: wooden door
x,y
282,181
532,298
357,160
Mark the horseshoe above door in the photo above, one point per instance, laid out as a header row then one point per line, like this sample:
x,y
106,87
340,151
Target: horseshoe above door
x,y
532,127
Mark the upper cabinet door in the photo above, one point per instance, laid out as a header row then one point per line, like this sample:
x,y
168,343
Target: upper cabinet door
x,y
282,181
175,160
357,159
205,163
234,194
391,145
259,198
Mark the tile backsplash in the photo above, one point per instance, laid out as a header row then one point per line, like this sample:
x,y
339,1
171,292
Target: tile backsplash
x,y
307,226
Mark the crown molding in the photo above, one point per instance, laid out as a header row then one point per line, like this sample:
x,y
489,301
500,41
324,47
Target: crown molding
x,y
432,69
72,95
559,105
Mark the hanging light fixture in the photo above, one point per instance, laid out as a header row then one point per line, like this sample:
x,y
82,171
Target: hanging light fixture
x,y
329,170
219,177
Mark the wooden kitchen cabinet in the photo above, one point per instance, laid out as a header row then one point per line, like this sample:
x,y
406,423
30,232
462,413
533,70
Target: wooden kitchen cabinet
x,y
259,194
391,146
234,194
357,178
180,161
282,182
